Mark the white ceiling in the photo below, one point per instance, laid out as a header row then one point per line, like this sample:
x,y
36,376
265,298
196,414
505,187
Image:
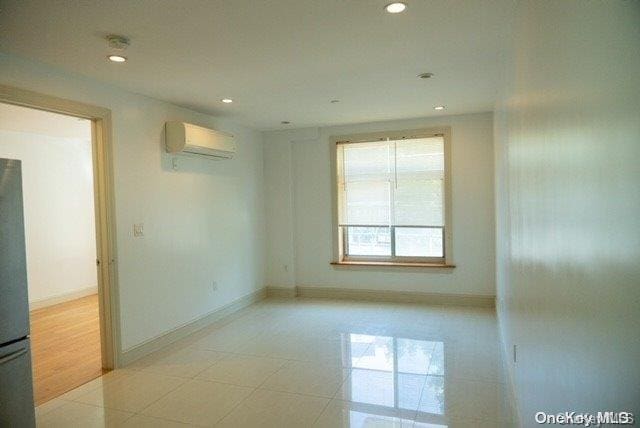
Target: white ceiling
x,y
32,121
278,59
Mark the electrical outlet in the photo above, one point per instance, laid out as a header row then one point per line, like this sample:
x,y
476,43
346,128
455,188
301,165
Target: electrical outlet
x,y
214,285
138,230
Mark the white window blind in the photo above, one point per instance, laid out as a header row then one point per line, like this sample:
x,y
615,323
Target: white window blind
x,y
391,196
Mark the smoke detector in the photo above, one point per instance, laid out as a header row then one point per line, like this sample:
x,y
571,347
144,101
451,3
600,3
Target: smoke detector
x,y
118,43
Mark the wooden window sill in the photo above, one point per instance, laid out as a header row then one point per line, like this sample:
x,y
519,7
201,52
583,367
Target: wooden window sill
x,y
393,264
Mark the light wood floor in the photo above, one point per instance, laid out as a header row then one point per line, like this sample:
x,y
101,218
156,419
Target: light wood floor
x,y
65,345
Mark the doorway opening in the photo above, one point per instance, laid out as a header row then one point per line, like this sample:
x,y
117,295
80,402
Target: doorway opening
x,y
61,206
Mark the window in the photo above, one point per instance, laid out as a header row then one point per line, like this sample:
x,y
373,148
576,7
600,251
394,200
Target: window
x,y
392,198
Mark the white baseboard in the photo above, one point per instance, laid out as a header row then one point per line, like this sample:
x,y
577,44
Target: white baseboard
x,y
63,297
284,292
154,344
487,301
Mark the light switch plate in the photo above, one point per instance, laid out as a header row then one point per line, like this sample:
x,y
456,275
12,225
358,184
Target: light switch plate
x,y
138,230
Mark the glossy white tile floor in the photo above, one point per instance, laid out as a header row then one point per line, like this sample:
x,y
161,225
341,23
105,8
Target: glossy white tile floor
x,y
303,363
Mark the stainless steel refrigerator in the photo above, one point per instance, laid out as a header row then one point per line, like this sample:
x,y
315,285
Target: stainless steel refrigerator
x,y
16,387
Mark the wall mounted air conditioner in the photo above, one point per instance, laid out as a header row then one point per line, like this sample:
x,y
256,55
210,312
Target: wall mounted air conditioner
x,y
190,139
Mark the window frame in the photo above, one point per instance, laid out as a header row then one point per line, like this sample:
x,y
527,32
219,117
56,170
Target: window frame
x,y
338,231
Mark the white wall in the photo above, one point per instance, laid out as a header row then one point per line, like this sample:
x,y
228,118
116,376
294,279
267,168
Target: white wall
x,y
298,189
202,223
57,186
568,205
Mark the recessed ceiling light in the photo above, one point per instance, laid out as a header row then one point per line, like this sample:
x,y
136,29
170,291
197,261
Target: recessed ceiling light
x,y
227,100
117,58
396,7
425,75
438,108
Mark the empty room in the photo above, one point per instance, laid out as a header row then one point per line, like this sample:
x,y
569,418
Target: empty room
x,y
319,213
55,153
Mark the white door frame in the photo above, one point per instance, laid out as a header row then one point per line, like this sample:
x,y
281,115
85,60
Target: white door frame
x,y
104,207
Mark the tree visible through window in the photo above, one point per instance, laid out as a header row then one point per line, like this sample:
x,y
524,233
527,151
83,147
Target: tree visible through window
x,y
391,199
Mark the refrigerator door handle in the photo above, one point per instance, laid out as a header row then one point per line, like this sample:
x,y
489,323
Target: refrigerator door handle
x,y
13,355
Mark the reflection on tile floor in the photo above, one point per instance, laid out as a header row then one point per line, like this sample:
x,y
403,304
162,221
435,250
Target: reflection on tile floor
x,y
304,362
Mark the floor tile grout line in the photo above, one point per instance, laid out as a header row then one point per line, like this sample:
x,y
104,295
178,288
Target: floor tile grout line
x,y
323,362
425,379
184,383
236,406
303,394
162,396
132,415
272,374
326,406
